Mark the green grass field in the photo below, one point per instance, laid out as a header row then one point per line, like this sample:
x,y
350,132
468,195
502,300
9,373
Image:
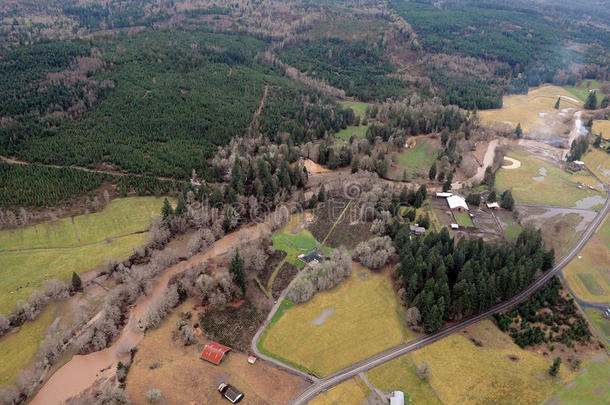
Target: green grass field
x,y
367,319
463,219
358,132
590,387
581,90
358,107
512,228
296,244
539,182
57,249
589,281
417,161
17,349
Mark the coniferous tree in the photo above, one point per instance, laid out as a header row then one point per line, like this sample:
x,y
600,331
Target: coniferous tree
x,y
322,194
432,172
554,369
519,131
605,102
77,283
557,103
591,103
237,271
167,209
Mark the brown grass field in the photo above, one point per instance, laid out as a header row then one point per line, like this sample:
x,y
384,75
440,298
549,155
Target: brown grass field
x,y
602,126
535,110
352,391
599,163
183,378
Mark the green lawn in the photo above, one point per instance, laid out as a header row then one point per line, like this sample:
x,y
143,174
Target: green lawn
x,y
589,387
463,219
589,281
512,229
581,90
296,244
539,182
417,161
121,217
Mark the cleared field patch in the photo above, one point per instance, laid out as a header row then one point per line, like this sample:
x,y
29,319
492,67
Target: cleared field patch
x,y
400,374
23,272
539,182
295,244
367,319
588,273
357,132
121,217
184,378
415,161
352,391
465,373
603,324
511,228
589,387
358,106
535,110
463,219
17,349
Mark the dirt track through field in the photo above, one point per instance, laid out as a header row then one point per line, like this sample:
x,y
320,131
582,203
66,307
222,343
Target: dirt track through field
x,y
488,160
515,164
82,371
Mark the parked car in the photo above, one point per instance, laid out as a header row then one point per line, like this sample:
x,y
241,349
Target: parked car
x,y
230,392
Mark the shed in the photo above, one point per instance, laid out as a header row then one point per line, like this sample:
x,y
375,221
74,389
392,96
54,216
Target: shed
x,y
251,359
311,256
443,195
417,230
493,206
214,352
397,398
455,226
457,203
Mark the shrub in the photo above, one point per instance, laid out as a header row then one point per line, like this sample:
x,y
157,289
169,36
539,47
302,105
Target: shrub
x,y
154,395
423,371
374,253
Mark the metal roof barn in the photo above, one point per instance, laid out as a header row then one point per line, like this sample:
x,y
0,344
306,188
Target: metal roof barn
x,y
214,352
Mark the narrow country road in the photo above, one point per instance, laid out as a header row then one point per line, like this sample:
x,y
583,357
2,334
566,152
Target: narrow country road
x,y
330,381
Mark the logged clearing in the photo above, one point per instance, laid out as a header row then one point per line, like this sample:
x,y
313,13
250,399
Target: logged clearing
x,y
17,349
184,378
464,373
352,391
400,374
535,110
539,182
589,276
121,217
590,387
367,319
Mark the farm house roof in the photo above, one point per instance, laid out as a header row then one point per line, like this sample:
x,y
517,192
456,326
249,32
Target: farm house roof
x,y
455,201
214,352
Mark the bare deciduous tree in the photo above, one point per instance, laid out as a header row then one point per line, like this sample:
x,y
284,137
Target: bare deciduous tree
x,y
423,371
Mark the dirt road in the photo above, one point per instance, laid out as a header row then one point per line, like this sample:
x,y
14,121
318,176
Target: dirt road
x,y
488,160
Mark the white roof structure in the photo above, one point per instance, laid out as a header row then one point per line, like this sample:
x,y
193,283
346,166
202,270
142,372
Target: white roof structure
x,y
397,398
455,226
493,205
444,195
455,202
579,162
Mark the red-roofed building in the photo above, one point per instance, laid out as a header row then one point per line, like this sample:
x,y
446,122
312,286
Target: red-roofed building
x,y
214,352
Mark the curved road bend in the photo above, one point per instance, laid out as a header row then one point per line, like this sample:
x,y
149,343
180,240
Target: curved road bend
x,y
384,357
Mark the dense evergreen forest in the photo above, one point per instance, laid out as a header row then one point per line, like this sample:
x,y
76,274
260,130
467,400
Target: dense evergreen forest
x,y
358,67
446,280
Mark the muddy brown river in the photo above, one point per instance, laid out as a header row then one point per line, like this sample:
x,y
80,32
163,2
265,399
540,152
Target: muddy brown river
x,y
82,371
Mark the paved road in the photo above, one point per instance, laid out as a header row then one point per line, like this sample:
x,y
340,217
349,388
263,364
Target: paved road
x,y
381,358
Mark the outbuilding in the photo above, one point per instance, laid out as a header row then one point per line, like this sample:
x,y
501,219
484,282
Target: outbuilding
x,y
457,203
397,398
214,352
417,230
455,226
493,206
443,195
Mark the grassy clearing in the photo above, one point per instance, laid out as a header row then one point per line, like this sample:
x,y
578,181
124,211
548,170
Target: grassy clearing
x,y
417,161
358,132
511,228
184,378
552,186
602,126
599,163
352,391
589,275
358,107
464,373
17,349
367,320
602,323
589,281
581,90
533,109
426,208
23,272
121,217
295,244
589,387
463,219
400,374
